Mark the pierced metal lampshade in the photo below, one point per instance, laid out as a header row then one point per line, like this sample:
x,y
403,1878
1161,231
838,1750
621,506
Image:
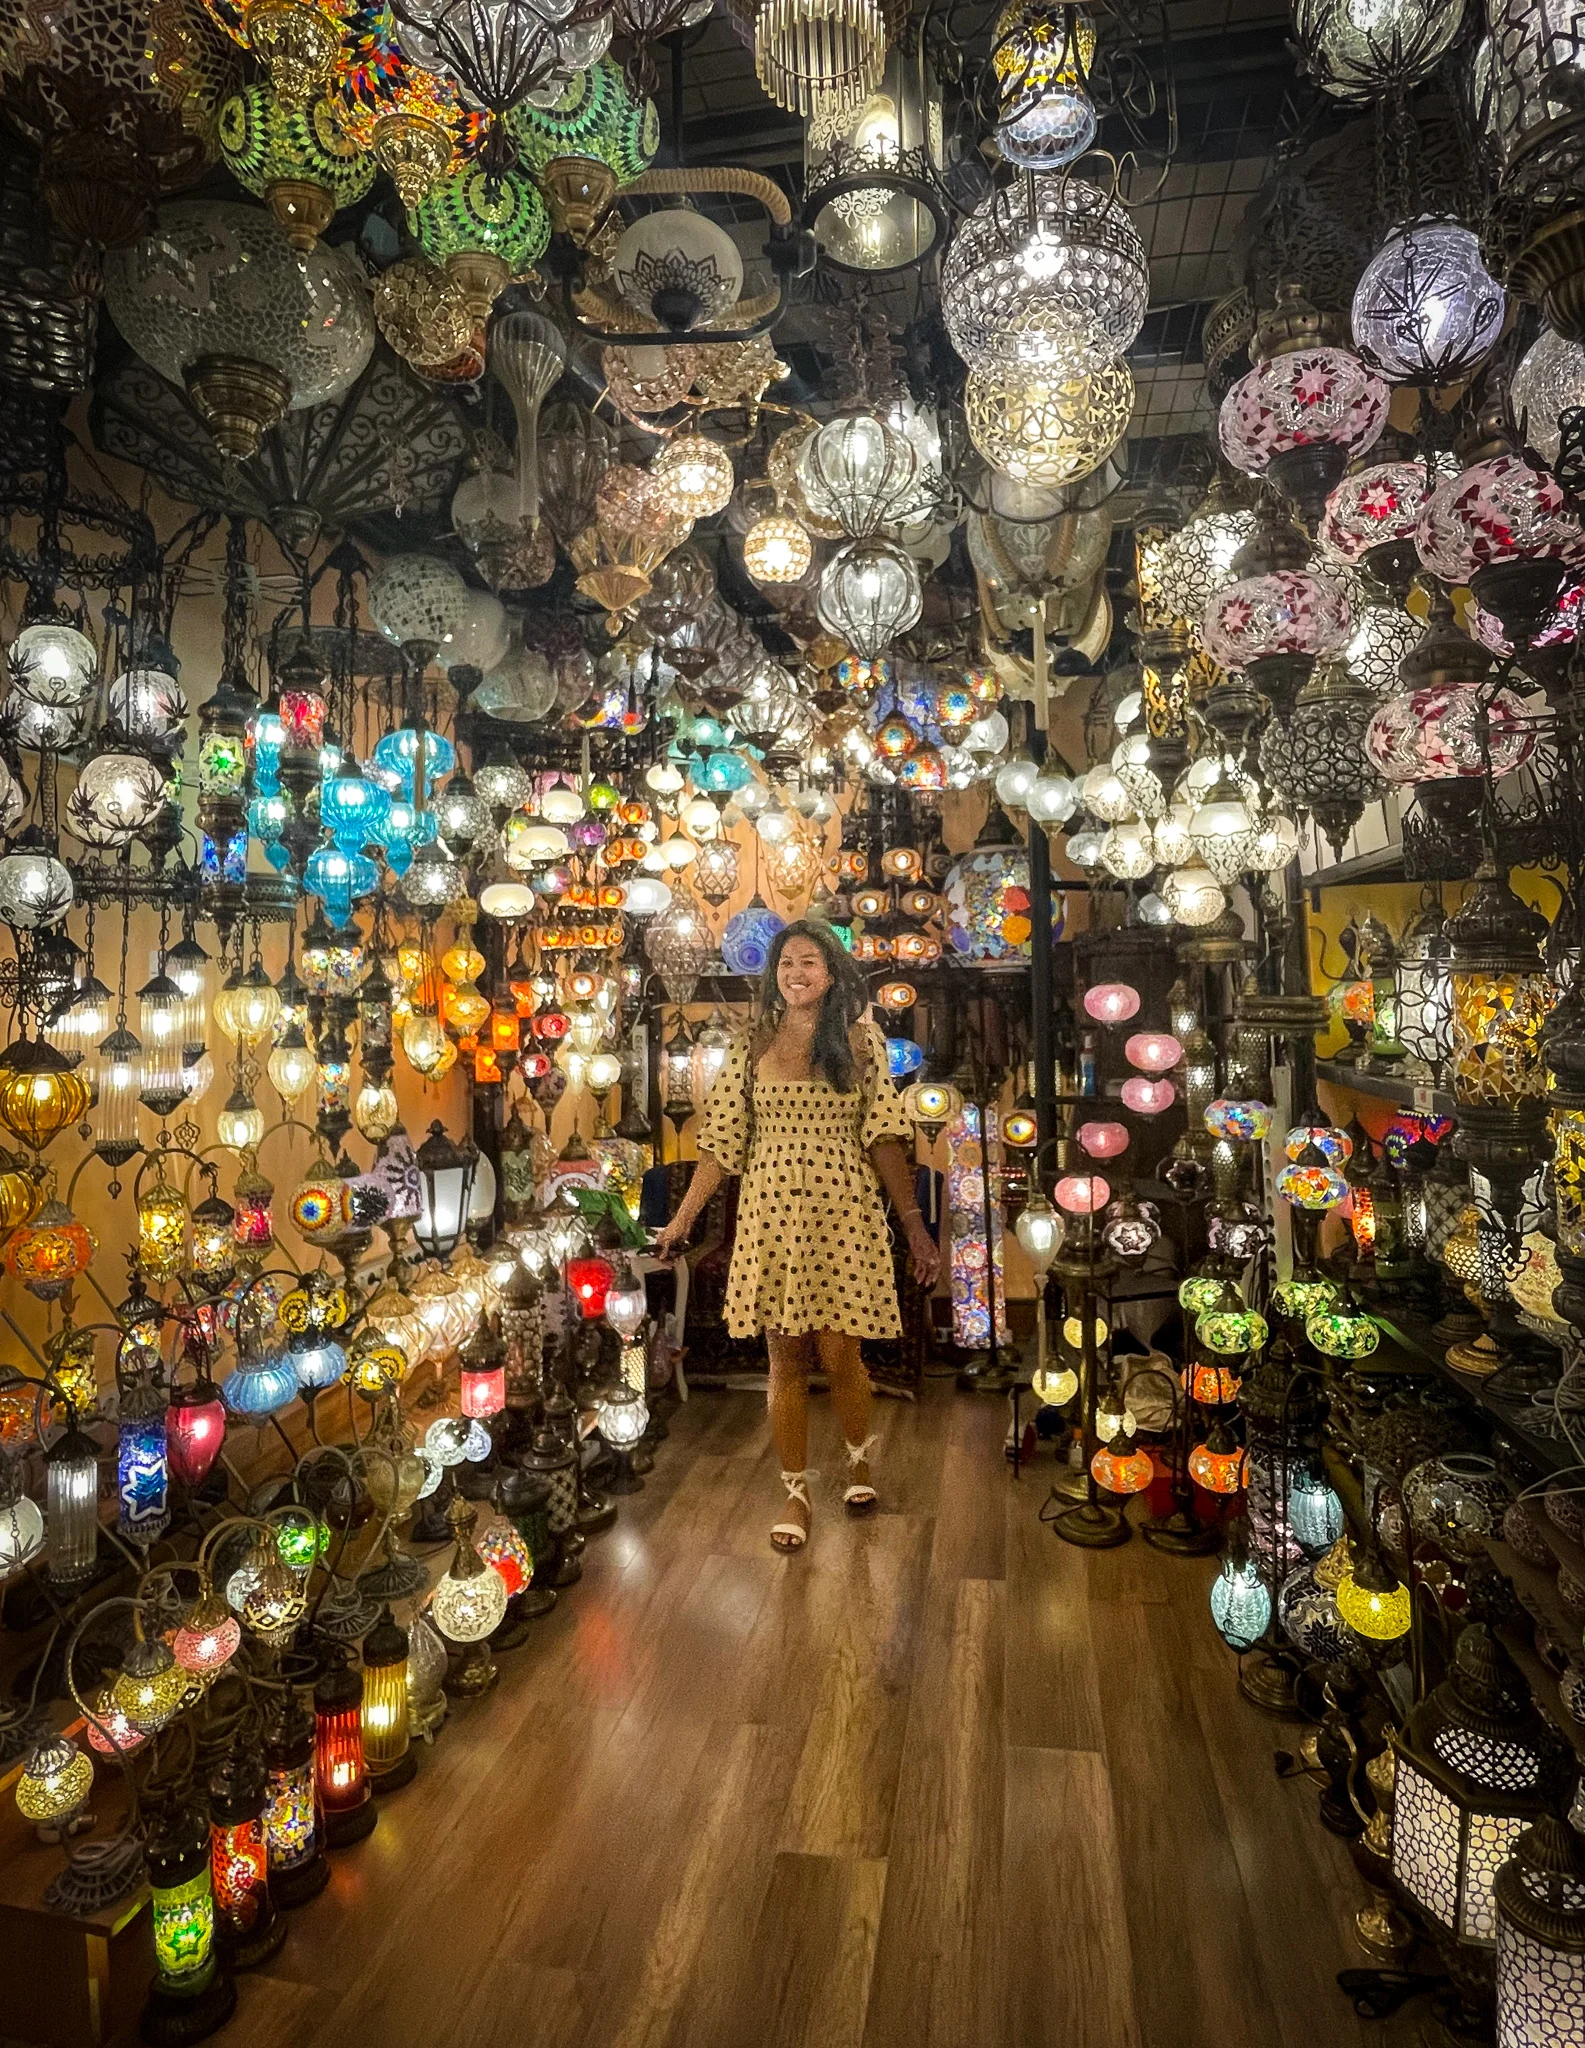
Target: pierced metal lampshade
x,y
1315,758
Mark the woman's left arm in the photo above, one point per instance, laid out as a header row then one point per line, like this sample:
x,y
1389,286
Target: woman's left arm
x,y
896,1176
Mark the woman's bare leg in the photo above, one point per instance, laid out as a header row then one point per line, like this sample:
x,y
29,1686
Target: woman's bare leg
x,y
788,1395
850,1397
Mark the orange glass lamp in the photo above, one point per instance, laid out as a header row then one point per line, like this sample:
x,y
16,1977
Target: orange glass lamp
x,y
1219,1465
341,1778
1120,1467
1212,1386
247,1925
387,1730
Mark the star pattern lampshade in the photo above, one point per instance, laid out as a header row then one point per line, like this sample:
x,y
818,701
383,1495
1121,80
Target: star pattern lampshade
x,y
1425,309
1306,398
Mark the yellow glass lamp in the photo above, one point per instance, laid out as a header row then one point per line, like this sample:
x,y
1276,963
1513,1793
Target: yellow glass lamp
x,y
429,1051
163,1221
150,1687
1373,1600
1054,1386
53,1789
40,1095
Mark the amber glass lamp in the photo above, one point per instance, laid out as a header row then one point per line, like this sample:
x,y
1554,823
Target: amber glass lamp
x,y
387,1743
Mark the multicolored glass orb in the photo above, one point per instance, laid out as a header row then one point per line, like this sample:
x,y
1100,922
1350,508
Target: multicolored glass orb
x,y
1241,1122
1501,510
1373,507
1314,1187
1200,1292
1335,1146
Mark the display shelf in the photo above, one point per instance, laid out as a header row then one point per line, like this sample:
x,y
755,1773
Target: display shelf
x,y
1414,1338
1538,1596
1384,864
1386,1087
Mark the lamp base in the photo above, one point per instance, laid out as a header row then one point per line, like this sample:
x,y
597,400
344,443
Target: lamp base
x,y
1266,1680
295,1887
475,1675
1180,1535
424,1718
1092,1527
624,1479
1382,1931
569,1571
170,2022
984,1374
511,1634
401,1773
248,1951
596,1512
536,1603
352,1824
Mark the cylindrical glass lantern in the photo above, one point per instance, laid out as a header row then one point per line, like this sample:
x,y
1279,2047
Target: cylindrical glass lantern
x,y
1500,999
238,1852
182,1907
340,1776
386,1727
1540,1899
71,1468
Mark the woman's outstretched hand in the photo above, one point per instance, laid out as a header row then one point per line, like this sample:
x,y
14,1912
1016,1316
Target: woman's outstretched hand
x,y
672,1238
924,1255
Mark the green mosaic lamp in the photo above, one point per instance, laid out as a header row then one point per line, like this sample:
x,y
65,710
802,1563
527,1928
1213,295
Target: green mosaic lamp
x,y
301,165
482,227
595,139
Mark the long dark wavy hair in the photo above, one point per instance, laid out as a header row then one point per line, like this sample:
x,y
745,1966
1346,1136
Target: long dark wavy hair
x,y
843,1004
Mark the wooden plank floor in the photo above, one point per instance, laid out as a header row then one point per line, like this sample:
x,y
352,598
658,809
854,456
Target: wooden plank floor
x,y
940,1782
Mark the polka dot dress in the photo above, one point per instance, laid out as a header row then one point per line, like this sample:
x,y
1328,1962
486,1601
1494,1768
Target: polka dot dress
x,y
812,1250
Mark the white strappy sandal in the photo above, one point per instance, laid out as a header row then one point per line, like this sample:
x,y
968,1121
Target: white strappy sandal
x,y
790,1536
859,1499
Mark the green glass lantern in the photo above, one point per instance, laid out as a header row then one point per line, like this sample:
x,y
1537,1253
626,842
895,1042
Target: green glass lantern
x,y
1232,1331
1303,1296
301,165
1344,1331
483,226
1200,1292
596,118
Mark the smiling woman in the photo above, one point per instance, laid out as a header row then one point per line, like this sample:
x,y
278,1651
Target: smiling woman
x,y
806,1113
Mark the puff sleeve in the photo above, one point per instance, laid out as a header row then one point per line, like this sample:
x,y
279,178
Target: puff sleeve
x,y
884,1115
724,1127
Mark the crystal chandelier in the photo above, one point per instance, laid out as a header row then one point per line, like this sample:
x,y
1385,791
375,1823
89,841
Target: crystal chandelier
x,y
1049,273
810,54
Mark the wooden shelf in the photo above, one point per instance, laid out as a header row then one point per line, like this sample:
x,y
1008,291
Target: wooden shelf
x,y
1384,865
1386,1087
1538,1596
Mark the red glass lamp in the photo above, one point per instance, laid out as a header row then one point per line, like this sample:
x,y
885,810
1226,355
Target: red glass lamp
x,y
341,1780
195,1428
591,1281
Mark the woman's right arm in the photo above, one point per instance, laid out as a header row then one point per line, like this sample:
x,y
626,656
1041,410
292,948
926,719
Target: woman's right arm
x,y
708,1175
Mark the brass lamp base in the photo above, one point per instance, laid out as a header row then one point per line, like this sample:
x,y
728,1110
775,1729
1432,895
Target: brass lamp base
x,y
238,400
401,1773
1092,1526
350,1824
296,1887
303,210
476,1673
481,277
579,191
415,150
1266,1680
1382,1931
1180,1535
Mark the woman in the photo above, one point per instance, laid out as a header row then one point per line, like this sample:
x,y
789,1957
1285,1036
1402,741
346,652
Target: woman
x,y
805,1111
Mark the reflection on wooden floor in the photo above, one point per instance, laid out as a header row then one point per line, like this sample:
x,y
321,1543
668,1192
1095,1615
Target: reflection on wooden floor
x,y
940,1782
